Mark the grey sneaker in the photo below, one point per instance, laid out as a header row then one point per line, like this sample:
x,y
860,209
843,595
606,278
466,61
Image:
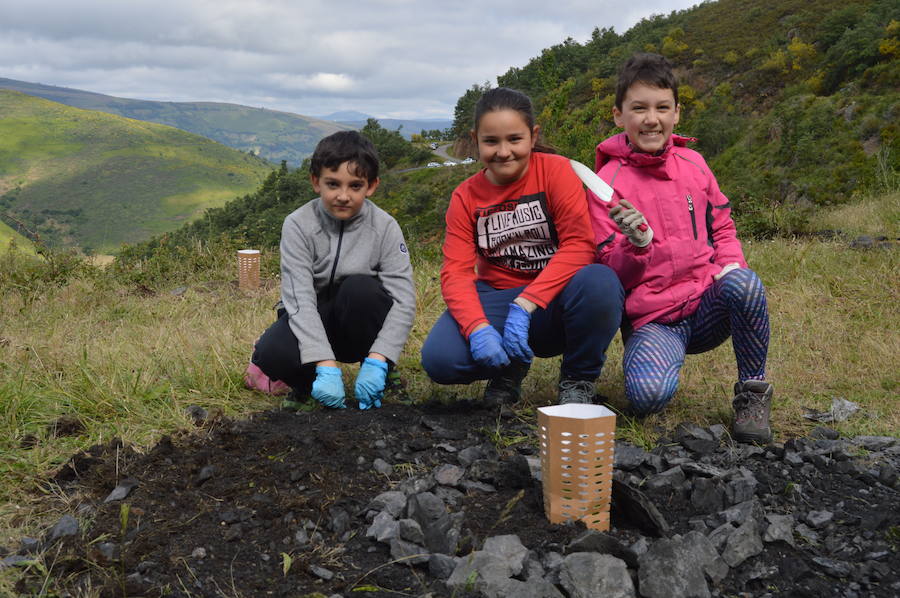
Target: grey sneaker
x,y
752,402
506,388
575,391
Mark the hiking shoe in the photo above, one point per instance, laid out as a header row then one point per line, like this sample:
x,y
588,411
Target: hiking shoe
x,y
575,391
752,402
506,388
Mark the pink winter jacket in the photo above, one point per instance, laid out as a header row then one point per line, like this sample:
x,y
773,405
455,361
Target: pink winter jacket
x,y
694,236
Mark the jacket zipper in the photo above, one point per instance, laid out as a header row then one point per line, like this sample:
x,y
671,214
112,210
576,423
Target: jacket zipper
x,y
337,256
690,201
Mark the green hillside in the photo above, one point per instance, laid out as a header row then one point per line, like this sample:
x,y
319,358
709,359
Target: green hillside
x,y
93,180
8,235
272,135
795,105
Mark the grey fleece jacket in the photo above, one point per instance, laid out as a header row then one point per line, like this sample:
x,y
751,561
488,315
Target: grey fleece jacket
x,y
317,251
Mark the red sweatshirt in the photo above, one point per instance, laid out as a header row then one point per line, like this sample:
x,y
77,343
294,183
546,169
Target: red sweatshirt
x,y
535,233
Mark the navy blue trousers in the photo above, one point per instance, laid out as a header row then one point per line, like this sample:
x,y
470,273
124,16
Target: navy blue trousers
x,y
579,324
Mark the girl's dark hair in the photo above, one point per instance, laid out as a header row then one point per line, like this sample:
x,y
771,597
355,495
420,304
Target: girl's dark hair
x,y
504,98
650,69
346,146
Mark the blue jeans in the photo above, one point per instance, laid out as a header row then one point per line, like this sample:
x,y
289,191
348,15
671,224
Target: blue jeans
x,y
579,324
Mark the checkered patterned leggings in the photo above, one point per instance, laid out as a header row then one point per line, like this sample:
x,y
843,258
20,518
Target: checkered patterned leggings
x,y
734,305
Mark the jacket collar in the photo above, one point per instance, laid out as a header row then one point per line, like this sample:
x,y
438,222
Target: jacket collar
x,y
333,223
618,147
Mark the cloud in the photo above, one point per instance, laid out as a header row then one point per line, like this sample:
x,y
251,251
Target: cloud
x,y
399,58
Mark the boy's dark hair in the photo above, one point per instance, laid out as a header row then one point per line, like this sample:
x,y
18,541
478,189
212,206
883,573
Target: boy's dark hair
x,y
504,98
346,146
650,69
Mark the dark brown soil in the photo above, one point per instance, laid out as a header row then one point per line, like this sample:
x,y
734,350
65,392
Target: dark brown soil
x,y
216,509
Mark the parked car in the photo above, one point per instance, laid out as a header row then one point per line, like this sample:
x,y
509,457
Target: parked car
x,y
434,165
450,163
468,161
433,145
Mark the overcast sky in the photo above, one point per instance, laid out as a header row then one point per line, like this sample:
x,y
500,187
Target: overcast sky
x,y
387,58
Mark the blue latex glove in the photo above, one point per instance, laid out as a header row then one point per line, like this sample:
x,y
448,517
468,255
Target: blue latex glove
x,y
486,346
515,334
370,383
328,388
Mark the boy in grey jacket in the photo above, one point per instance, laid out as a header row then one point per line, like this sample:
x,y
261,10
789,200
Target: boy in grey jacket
x,y
346,283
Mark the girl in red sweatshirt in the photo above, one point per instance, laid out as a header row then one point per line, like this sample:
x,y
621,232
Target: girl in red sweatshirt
x,y
518,277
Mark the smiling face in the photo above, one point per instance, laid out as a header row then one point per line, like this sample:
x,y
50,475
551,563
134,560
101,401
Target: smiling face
x,y
342,191
648,115
504,145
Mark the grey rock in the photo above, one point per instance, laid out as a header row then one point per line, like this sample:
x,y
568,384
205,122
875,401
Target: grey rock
x,y
887,474
666,570
383,528
382,466
510,548
451,496
198,553
627,456
478,571
448,475
552,560
417,485
196,413
696,439
638,509
699,549
110,551
707,495
469,455
441,566
666,481
740,489
719,536
206,473
594,541
780,529
484,470
66,526
233,533
819,519
793,458
806,533
875,443
338,520
411,531
321,572
122,490
742,544
521,589
29,545
589,575
833,567
394,502
301,538
705,470
476,486
13,560
408,553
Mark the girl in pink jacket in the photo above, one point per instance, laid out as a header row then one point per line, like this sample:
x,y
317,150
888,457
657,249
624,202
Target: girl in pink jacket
x,y
688,287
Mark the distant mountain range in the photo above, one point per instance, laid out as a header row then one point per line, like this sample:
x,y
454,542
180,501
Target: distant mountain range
x,y
407,127
84,178
272,135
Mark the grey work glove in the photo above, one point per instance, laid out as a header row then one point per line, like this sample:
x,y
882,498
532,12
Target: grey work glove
x,y
628,219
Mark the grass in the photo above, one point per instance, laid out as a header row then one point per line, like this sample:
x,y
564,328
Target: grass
x,y
127,359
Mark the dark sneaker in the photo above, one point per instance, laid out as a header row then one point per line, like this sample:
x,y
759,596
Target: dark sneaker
x,y
752,402
296,401
575,391
506,388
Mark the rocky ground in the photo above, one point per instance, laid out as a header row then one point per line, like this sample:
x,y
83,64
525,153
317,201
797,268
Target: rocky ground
x,y
442,501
